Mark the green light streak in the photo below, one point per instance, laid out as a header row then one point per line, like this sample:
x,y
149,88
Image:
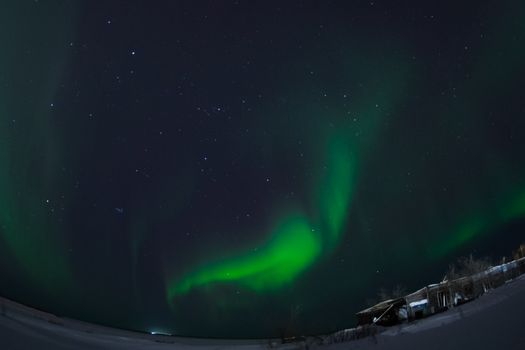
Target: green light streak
x,y
466,232
513,209
336,189
294,246
498,61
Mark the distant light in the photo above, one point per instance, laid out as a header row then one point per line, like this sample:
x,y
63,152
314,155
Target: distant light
x,y
159,333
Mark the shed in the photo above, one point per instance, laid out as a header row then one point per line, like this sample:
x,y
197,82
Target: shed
x,y
386,313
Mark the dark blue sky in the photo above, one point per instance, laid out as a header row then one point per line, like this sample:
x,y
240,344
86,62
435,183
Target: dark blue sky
x,y
250,168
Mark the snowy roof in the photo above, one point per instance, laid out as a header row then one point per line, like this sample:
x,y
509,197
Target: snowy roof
x,y
383,305
418,303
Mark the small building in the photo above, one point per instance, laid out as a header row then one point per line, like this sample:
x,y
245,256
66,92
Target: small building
x,y
418,309
440,297
417,304
464,289
386,313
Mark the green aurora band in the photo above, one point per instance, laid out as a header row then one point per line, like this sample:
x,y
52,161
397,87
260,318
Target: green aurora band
x,y
499,61
292,247
335,187
294,244
336,190
512,209
301,237
29,147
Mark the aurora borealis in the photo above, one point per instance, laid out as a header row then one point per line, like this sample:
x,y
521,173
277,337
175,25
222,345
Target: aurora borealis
x,y
30,150
253,169
294,243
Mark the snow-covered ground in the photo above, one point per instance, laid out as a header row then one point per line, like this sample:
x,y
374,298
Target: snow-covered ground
x,y
494,321
23,328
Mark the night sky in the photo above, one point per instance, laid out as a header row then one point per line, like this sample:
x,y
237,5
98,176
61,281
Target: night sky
x,y
253,168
